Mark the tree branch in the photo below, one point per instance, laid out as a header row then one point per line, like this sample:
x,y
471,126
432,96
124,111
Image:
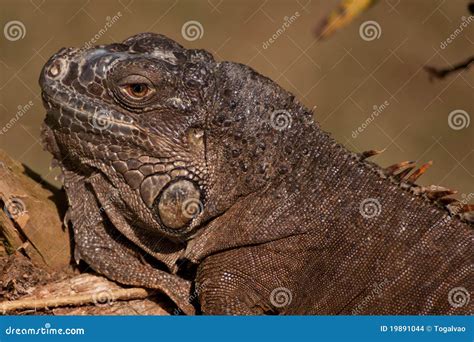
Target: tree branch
x,y
441,73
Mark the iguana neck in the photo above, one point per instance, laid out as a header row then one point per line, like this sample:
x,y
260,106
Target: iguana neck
x,y
340,192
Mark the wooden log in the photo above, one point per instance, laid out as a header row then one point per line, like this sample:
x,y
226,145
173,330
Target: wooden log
x,y
41,279
29,219
86,294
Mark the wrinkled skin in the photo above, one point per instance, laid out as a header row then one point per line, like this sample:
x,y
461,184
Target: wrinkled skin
x,y
196,177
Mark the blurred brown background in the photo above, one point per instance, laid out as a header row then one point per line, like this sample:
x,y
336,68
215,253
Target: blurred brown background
x,y
344,76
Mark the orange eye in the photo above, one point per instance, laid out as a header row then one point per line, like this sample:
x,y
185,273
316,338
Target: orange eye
x,y
138,90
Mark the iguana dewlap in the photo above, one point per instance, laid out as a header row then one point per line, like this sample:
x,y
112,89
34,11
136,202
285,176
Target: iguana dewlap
x,y
209,182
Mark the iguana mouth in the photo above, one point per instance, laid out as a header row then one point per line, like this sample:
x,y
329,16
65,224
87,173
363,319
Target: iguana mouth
x,y
83,116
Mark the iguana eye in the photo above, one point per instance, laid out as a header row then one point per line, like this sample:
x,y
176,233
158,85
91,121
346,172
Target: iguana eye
x,y
134,90
137,90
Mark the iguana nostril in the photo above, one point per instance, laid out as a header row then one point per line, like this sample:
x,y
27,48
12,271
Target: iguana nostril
x,y
55,69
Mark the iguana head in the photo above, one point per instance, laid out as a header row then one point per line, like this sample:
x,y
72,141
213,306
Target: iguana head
x,y
179,135
135,112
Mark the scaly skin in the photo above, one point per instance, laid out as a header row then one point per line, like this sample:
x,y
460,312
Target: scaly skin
x,y
197,177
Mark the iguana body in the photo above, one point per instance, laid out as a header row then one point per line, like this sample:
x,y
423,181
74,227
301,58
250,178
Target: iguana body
x,y
197,177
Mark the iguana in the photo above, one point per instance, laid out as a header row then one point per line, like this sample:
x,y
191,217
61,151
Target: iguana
x,y
209,182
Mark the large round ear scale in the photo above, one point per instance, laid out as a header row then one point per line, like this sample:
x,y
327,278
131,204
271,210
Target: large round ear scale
x,y
179,203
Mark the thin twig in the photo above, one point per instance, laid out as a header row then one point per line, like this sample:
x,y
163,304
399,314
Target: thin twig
x,y
441,73
74,300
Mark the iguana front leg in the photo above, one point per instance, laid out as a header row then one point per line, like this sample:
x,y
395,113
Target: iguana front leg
x,y
109,253
226,289
251,280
